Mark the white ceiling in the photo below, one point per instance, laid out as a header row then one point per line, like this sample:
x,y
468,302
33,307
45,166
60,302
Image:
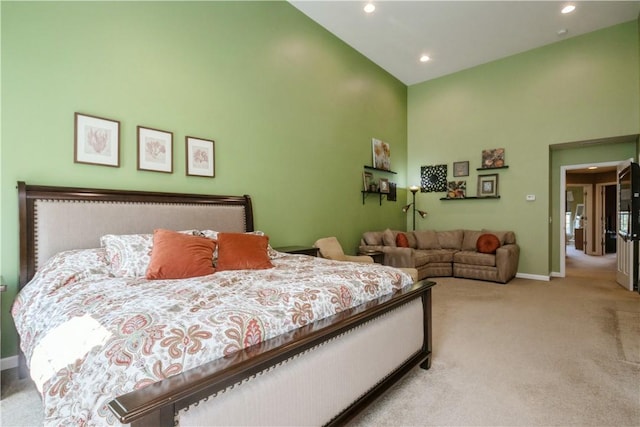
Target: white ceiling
x,y
456,34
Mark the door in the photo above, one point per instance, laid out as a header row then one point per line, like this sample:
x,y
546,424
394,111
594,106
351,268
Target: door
x,y
627,224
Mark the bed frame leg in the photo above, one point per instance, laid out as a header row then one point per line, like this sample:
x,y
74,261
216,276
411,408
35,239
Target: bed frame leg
x,y
427,345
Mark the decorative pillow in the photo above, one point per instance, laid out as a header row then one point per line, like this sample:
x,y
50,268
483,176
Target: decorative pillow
x,y
179,256
402,241
243,251
372,238
487,243
129,254
214,235
388,238
505,237
427,239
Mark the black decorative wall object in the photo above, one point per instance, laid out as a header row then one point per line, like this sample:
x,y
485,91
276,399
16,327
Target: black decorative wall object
x,y
433,178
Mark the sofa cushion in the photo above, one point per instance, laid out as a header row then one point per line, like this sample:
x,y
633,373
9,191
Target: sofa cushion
x,y
450,239
474,258
470,239
388,238
487,243
427,239
372,238
505,237
402,241
434,256
413,243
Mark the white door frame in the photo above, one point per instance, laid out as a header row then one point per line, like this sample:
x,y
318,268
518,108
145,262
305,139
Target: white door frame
x,y
561,204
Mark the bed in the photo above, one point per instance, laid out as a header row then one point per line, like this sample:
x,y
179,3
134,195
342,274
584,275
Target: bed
x,y
309,366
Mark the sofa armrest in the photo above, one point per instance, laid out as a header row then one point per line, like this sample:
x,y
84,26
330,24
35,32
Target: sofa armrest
x,y
359,258
507,257
399,257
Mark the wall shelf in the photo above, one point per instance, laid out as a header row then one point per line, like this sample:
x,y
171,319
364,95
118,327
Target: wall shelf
x,y
492,169
365,194
379,170
471,198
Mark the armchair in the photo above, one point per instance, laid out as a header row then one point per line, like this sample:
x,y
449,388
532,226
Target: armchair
x,y
330,248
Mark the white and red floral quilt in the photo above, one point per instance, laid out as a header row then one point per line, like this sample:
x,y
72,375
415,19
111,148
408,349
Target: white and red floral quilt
x,y
89,336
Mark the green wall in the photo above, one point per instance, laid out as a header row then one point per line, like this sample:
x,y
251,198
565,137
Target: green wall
x,y
292,110
581,88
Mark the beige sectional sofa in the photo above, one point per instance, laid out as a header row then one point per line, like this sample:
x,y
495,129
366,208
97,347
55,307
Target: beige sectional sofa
x,y
448,253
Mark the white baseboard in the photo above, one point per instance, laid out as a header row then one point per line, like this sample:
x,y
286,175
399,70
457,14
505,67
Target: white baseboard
x,y
8,363
556,274
533,277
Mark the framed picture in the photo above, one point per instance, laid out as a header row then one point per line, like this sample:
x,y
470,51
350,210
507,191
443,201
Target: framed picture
x,y
155,150
456,189
433,178
200,154
393,192
96,140
383,185
367,179
381,154
493,158
488,185
461,168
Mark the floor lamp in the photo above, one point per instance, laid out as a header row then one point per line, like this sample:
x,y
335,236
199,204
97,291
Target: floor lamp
x,y
414,189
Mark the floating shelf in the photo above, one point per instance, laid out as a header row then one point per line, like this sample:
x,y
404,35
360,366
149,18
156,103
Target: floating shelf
x,y
366,193
490,169
379,170
472,198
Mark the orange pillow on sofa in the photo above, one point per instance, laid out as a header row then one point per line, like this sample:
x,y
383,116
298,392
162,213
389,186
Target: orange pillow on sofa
x,y
488,243
402,241
240,251
178,256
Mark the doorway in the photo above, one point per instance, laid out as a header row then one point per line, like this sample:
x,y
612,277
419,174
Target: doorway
x,y
584,233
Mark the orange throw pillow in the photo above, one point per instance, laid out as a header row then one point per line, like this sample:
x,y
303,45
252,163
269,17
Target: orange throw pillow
x,y
402,241
240,251
178,256
487,243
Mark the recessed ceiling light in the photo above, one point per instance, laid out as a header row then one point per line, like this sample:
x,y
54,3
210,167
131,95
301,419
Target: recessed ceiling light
x,y
424,58
369,7
592,167
568,8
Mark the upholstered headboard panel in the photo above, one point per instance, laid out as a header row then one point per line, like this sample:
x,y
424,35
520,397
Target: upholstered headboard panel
x,y
54,219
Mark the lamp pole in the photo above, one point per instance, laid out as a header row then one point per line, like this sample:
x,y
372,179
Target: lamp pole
x,y
414,189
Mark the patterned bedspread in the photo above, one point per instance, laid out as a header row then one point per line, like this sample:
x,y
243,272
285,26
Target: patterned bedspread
x,y
89,336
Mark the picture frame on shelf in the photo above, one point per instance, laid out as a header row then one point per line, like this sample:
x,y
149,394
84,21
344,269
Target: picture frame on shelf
x,y
456,189
493,158
393,192
367,179
96,140
155,150
488,185
461,168
381,154
383,185
200,156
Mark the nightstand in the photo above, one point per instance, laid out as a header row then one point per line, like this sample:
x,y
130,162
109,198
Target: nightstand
x,y
300,250
378,257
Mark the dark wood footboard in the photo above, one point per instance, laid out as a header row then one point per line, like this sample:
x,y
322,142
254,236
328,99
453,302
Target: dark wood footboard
x,y
157,404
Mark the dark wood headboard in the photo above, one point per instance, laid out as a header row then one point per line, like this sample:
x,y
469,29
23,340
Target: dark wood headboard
x,y
54,219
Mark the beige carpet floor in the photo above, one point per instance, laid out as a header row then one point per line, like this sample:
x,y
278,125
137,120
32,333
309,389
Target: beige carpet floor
x,y
529,353
558,353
